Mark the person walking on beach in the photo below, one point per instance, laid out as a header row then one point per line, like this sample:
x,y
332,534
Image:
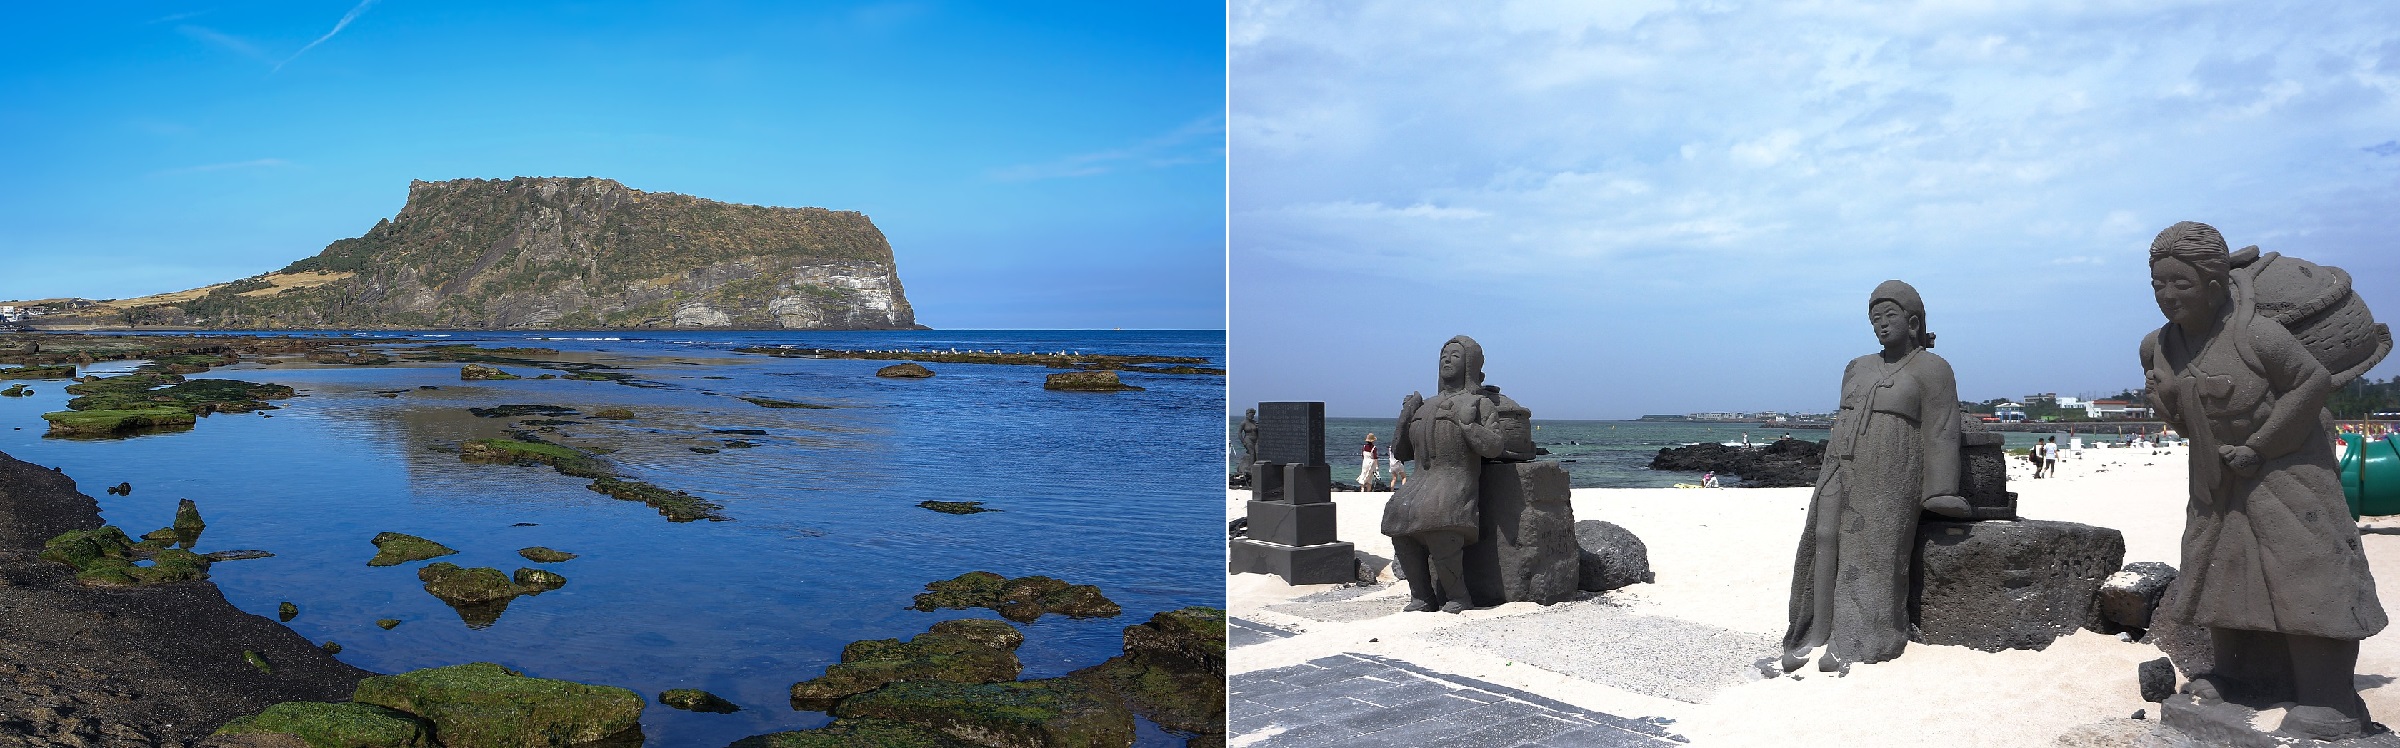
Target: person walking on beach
x,y
1894,456
1366,464
1708,479
2050,456
1391,466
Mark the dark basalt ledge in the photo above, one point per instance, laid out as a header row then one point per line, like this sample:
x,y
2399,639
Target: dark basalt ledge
x,y
1998,585
157,664
1783,463
2228,724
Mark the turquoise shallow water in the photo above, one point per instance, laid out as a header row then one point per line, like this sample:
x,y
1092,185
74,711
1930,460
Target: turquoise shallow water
x,y
826,545
1597,454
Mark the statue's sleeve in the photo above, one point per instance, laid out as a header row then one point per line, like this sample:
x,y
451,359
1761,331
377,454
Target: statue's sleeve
x,y
2160,404
1404,449
1479,431
1940,429
2300,385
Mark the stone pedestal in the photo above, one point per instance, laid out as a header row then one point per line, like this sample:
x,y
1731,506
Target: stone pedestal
x,y
1291,483
2009,585
1525,549
1329,563
1983,475
1291,524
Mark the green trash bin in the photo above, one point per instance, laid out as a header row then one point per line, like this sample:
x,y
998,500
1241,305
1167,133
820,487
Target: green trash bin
x,y
2371,476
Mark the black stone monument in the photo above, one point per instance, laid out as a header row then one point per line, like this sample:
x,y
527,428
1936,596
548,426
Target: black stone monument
x,y
1291,532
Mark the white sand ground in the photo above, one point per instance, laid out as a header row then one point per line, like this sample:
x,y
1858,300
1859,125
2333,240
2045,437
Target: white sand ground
x,y
1723,559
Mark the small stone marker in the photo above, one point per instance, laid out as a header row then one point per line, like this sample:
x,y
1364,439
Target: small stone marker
x,y
1291,528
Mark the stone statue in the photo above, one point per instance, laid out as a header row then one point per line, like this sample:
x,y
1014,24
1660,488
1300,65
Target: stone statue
x,y
1432,518
2271,560
1894,454
1249,442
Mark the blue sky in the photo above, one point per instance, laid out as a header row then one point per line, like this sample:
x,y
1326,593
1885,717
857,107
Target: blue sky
x,y
1661,207
1035,165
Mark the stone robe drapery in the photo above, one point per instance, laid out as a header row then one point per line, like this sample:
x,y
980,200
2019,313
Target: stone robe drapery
x,y
1441,495
1895,444
2276,550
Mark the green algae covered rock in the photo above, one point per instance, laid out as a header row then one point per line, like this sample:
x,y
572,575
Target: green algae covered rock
x,y
904,371
395,548
566,460
964,651
537,581
97,423
1087,381
484,705
387,624
676,506
80,548
188,524
285,611
613,414
16,390
106,558
769,402
955,507
474,372
1023,599
461,586
696,700
259,661
542,555
335,725
855,733
1173,670
39,372
1048,713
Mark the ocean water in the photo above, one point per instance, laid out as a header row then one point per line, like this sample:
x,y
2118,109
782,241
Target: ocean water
x,y
1596,454
826,545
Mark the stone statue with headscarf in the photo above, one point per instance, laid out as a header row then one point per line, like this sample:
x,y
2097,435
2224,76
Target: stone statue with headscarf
x,y
1433,517
1894,455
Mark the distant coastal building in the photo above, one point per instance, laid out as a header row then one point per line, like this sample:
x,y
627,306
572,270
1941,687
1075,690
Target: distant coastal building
x,y
2009,412
2041,397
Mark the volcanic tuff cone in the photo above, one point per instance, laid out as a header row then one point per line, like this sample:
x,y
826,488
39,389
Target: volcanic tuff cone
x,y
577,253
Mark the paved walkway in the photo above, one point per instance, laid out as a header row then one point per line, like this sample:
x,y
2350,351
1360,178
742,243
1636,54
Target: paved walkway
x,y
1356,700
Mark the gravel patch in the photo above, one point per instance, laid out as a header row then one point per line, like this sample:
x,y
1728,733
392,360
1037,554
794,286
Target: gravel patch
x,y
1664,657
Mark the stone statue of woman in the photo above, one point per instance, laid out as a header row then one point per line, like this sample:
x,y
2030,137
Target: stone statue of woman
x,y
2271,560
1894,455
1249,435
1432,518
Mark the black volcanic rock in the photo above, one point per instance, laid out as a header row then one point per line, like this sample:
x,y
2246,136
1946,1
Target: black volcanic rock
x,y
1778,464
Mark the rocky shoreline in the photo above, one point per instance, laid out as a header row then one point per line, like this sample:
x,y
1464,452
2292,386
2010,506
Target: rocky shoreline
x,y
159,665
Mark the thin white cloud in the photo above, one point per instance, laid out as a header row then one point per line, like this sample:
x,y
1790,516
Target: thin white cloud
x,y
256,163
1198,141
337,28
180,16
224,41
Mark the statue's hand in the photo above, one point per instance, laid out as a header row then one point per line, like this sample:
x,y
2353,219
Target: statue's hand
x,y
2243,460
1411,403
1949,506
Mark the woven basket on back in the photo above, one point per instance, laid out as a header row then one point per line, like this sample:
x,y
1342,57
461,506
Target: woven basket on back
x,y
2315,303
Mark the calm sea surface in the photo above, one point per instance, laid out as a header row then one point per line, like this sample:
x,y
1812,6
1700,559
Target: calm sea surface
x,y
826,546
1597,454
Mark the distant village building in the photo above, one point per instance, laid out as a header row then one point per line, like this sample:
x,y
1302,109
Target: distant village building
x,y
2041,397
2009,412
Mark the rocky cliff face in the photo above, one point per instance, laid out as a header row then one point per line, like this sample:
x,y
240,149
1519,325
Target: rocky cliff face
x,y
582,253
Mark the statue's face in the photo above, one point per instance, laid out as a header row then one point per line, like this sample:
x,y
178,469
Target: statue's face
x,y
2183,294
1454,360
1893,328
